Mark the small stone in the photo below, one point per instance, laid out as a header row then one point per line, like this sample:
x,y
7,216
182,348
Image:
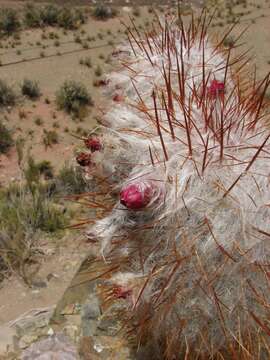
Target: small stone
x,y
39,284
99,348
50,332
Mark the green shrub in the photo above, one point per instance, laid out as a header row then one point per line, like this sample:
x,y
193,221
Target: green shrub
x,y
33,171
72,96
24,214
103,12
6,140
9,21
79,17
50,138
66,19
49,15
7,95
31,16
70,180
30,89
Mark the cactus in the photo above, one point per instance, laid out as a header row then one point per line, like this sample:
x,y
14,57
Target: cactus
x,y
189,237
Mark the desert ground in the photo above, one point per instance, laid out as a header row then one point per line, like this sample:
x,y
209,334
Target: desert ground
x,y
51,55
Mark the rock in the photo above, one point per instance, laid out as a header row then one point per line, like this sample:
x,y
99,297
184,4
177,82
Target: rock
x,y
72,332
54,347
39,284
27,340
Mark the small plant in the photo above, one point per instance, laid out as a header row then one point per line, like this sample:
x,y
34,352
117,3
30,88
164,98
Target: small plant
x,y
56,43
88,62
7,95
136,12
30,89
70,180
98,71
6,140
72,96
22,114
9,22
66,19
49,15
50,138
38,121
31,16
45,168
103,12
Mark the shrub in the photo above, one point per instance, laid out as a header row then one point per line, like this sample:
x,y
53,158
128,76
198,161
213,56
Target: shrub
x,y
7,95
25,212
9,21
34,170
103,12
39,121
30,89
70,180
49,15
79,17
6,140
98,71
50,138
31,16
136,12
72,96
66,19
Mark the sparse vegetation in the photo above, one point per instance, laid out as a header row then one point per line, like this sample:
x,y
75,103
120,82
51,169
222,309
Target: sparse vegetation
x,y
26,211
31,16
9,22
72,96
52,15
6,140
49,15
30,89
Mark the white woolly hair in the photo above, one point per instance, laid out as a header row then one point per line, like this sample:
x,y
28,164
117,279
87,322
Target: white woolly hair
x,y
202,251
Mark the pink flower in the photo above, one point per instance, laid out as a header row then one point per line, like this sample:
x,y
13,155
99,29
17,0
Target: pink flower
x,y
93,144
216,88
137,195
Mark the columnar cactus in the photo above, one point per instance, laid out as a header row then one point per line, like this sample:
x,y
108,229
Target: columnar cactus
x,y
190,235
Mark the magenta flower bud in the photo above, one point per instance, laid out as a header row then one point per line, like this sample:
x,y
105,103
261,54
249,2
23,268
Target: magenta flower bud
x,y
137,195
93,144
216,88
